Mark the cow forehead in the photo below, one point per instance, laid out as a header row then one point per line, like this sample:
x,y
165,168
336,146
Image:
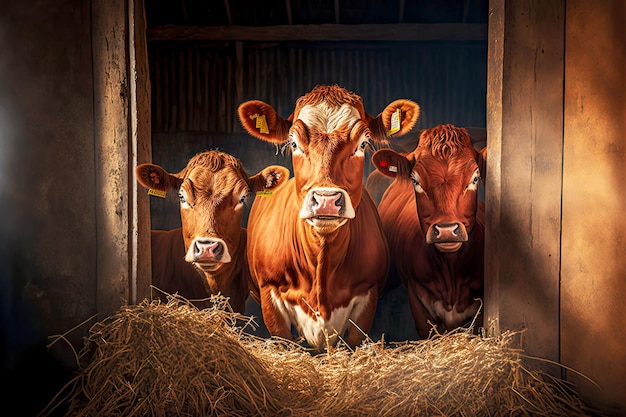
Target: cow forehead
x,y
443,169
326,118
223,181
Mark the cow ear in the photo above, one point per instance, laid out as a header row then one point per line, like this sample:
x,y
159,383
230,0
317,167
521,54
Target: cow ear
x,y
482,162
391,163
270,178
261,121
398,118
154,177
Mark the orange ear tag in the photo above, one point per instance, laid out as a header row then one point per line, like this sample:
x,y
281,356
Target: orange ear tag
x,y
261,124
395,123
157,193
264,193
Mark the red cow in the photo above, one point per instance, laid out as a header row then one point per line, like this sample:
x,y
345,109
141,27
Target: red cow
x,y
434,224
316,247
208,254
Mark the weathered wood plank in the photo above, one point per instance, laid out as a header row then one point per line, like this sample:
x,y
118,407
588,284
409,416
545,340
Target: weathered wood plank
x,y
323,32
111,132
525,130
141,151
594,228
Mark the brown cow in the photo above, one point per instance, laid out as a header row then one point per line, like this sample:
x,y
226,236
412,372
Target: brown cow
x,y
208,254
433,221
316,248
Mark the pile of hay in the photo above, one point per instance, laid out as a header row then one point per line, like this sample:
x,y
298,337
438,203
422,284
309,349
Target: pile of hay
x,y
157,359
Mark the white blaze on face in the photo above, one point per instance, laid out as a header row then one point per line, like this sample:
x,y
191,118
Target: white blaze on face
x,y
326,119
317,331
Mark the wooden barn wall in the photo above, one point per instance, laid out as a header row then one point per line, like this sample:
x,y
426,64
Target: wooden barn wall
x,y
593,276
47,198
555,235
71,128
197,87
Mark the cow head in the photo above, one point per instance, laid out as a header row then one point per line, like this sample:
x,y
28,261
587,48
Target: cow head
x,y
445,170
328,134
212,190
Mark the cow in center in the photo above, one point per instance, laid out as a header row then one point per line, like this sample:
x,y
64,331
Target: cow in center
x,y
316,248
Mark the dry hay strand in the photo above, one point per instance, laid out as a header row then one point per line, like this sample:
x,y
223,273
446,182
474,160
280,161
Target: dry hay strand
x,y
156,359
452,374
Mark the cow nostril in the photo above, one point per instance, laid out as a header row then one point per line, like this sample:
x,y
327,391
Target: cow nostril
x,y
207,245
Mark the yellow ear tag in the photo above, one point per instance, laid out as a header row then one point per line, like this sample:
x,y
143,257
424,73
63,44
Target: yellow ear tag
x,y
264,193
261,124
395,123
157,193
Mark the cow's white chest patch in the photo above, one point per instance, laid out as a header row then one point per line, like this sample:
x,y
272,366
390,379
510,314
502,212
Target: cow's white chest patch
x,y
326,119
317,331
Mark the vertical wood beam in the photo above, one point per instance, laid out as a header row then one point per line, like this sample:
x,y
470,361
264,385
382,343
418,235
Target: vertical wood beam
x,y
140,152
111,134
288,10
121,141
493,176
524,172
229,16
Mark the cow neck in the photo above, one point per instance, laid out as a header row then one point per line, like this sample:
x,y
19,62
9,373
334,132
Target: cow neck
x,y
331,247
456,265
325,253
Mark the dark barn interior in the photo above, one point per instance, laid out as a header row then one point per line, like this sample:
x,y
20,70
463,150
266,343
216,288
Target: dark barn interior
x,y
206,59
91,88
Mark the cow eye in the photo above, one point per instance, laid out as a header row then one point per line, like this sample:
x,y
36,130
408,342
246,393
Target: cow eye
x,y
362,146
183,200
293,143
416,182
473,185
243,199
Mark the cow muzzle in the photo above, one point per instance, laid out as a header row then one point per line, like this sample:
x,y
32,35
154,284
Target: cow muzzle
x,y
447,237
325,206
208,252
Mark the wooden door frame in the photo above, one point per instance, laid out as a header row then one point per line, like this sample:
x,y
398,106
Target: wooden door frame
x,y
122,140
525,92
